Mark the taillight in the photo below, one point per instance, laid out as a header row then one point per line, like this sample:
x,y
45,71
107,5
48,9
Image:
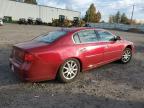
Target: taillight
x,y
28,57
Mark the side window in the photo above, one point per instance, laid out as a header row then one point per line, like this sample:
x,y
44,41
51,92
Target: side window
x,y
105,36
76,38
87,36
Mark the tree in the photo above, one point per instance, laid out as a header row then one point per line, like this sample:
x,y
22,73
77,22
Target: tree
x,y
98,16
91,15
118,17
124,19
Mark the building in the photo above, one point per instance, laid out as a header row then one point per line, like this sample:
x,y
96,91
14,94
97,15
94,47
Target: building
x,y
16,10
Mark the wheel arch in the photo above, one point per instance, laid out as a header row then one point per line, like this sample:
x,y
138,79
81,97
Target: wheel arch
x,y
79,60
81,65
76,58
129,46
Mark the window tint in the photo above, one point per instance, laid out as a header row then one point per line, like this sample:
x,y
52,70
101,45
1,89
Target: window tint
x,y
76,38
105,36
51,36
87,36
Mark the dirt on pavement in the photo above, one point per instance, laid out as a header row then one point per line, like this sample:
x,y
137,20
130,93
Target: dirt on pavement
x,y
111,86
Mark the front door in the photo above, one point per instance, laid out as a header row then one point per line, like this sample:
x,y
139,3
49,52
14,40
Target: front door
x,y
113,49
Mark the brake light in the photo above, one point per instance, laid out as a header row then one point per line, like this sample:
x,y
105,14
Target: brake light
x,y
28,57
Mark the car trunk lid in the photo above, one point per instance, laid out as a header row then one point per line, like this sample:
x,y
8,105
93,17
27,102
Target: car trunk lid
x,y
20,50
31,45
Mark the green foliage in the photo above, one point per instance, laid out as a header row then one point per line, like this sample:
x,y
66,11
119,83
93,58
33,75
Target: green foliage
x,y
66,23
81,23
92,15
98,16
124,19
55,22
119,18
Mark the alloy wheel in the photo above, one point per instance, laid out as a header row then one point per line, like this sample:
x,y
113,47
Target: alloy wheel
x,y
70,69
126,55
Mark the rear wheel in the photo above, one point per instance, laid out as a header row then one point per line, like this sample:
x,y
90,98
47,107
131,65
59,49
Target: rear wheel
x,y
69,70
127,55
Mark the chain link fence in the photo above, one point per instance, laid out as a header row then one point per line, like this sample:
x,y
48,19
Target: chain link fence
x,y
117,26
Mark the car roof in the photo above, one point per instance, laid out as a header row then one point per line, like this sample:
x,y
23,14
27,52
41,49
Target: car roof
x,y
76,29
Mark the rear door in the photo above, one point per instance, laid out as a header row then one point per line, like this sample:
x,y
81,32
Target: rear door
x,y
90,50
112,49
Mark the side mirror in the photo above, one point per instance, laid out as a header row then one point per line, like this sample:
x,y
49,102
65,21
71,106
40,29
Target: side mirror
x,y
117,38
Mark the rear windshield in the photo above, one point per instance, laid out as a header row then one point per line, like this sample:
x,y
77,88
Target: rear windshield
x,y
51,36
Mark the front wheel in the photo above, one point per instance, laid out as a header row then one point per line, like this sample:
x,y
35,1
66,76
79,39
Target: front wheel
x,y
127,55
69,70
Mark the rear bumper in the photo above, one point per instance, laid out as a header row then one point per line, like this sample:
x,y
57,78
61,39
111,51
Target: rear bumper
x,y
27,72
19,69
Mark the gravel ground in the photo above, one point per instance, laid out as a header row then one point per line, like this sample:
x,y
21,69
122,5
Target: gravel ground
x,y
111,86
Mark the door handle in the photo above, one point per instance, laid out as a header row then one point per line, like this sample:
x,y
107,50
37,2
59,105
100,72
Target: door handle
x,y
83,50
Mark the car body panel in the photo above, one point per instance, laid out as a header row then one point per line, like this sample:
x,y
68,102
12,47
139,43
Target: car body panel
x,y
113,50
90,54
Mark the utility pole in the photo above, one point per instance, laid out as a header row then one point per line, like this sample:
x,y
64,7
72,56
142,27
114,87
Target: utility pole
x,y
132,13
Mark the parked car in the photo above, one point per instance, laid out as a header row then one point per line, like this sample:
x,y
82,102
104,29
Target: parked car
x,y
38,21
1,21
63,54
30,20
22,21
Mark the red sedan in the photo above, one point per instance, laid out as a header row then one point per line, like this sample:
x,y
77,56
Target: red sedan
x,y
65,53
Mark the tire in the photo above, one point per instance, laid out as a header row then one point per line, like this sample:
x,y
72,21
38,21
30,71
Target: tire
x,y
66,73
126,56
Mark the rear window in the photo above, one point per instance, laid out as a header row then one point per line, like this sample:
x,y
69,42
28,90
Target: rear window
x,y
51,36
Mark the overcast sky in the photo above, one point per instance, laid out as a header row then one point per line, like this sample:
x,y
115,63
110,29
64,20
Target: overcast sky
x,y
106,7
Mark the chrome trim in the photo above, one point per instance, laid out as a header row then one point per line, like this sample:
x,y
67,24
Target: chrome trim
x,y
104,62
93,55
112,51
85,42
91,42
